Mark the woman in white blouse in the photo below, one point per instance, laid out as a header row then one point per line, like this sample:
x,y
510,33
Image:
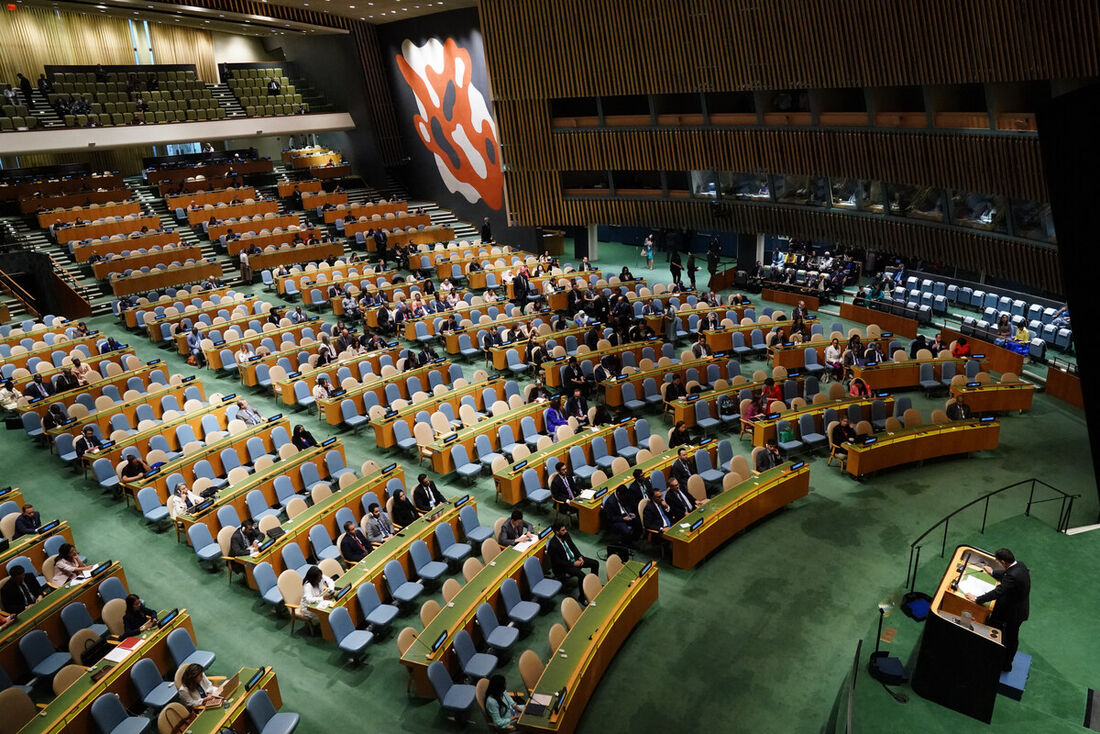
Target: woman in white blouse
x,y
197,690
67,566
833,356
182,500
314,589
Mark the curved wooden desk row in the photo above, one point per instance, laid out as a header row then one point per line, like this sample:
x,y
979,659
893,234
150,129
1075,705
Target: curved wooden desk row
x,y
45,352
440,449
765,428
152,323
889,322
95,389
918,444
329,408
383,427
215,231
263,482
213,354
284,389
104,269
51,217
589,511
231,211
275,239
289,154
461,311
45,615
390,226
127,407
75,184
790,298
396,548
287,255
996,397
794,356
328,172
996,358
897,375
286,188
321,199
314,160
509,480
160,279
552,369
435,641
103,248
32,546
247,371
361,210
391,290
537,283
576,668
371,487
215,196
613,388
722,339
241,314
79,232
338,276
500,354
129,316
28,205
657,323
730,512
211,452
209,170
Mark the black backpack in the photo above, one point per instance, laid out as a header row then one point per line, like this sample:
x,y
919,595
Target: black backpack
x,y
725,405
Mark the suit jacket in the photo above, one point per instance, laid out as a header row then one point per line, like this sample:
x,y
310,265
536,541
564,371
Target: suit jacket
x,y
767,460
615,508
1012,595
682,469
240,541
27,526
674,391
563,489
352,550
37,390
681,503
423,497
651,518
508,534
638,491
572,374
558,557
577,407
12,596
83,445
379,528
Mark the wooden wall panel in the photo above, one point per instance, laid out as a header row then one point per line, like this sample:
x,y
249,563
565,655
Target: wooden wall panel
x,y
580,48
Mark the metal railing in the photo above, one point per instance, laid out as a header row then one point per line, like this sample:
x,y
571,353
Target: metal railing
x,y
1064,513
16,291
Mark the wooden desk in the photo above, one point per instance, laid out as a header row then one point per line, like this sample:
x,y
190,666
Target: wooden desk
x,y
31,545
440,449
286,188
45,352
537,283
396,548
192,184
126,407
287,255
238,306
656,321
509,481
213,355
996,397
793,357
484,588
160,279
263,482
196,217
383,427
500,354
328,172
552,370
284,389
393,227
70,184
291,153
959,660
46,616
109,227
735,509
276,239
996,358
1066,386
589,647
589,514
29,205
427,236
918,444
722,339
338,276
129,315
215,196
898,375
185,465
315,159
209,170
104,269
461,312
321,513
82,252
765,428
370,317
613,388
329,408
70,711
321,199
118,208
790,298
214,231
365,210
888,321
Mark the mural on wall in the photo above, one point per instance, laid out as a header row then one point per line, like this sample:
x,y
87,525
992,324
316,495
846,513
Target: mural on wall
x,y
453,120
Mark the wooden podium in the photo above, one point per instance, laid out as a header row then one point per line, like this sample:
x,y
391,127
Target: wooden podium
x,y
959,657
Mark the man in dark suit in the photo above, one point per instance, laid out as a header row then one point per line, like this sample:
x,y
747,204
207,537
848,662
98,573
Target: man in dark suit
x,y
354,546
245,539
621,513
1012,595
28,522
679,501
426,495
380,241
770,457
577,407
566,560
640,488
87,442
427,354
515,530
675,389
657,517
21,591
563,487
573,377
682,468
38,389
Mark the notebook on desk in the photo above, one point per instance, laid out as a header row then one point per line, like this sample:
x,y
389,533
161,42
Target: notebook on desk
x,y
537,705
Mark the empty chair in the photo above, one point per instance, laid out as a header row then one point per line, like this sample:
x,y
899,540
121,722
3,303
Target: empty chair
x,y
426,568
322,544
541,587
110,589
466,469
517,609
623,446
257,505
484,451
928,381
350,640
807,431
265,718
703,416
203,543
475,665
455,699
267,584
148,502
40,656
704,469
578,464
110,716
284,491
152,689
401,589
472,528
812,365
533,489
294,559
377,615
947,373
496,635
450,548
183,650
75,617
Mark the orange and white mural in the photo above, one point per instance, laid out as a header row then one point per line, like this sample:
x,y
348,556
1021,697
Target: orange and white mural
x,y
453,120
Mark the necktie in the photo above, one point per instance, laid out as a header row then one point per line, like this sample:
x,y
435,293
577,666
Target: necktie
x,y
28,598
568,551
431,497
569,487
664,517
360,543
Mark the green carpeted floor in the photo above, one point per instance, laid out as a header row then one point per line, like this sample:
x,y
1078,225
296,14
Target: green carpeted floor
x,y
758,638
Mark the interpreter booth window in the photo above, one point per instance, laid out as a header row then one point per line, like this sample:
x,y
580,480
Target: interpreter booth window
x,y
916,202
858,194
750,187
637,183
706,184
584,183
1033,221
979,211
801,190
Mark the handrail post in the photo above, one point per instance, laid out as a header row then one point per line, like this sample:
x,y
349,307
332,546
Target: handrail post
x,y
943,546
985,514
1030,497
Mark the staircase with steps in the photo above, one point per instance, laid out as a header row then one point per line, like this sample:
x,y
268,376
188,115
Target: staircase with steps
x,y
227,100
86,284
47,115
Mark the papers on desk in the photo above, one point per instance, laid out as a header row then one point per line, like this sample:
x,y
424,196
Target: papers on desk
x,y
123,650
541,699
974,585
587,494
522,547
